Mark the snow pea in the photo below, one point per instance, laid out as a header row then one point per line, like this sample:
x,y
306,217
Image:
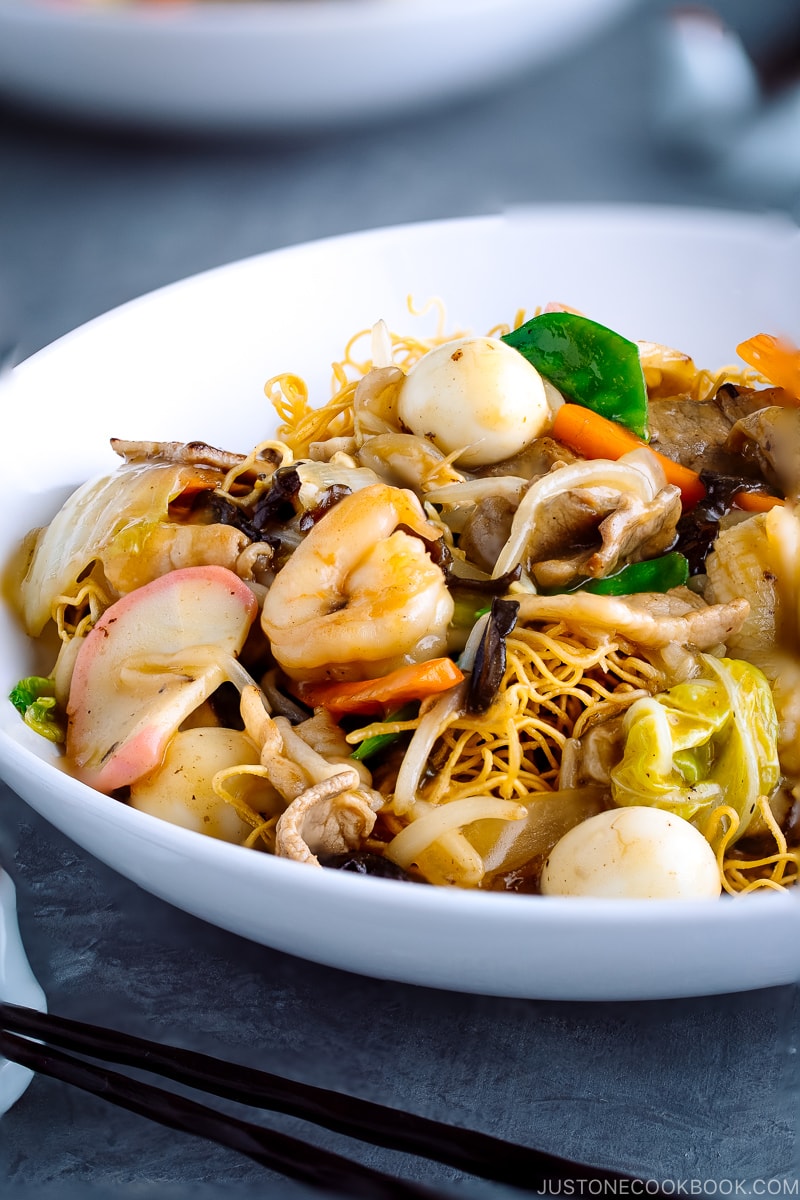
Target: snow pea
x,y
655,575
588,363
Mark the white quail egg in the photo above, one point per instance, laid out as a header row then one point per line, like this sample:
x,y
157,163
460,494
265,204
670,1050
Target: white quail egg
x,y
634,853
476,394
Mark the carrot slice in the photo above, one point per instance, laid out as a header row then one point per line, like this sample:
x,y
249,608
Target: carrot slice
x,y
776,359
755,502
413,682
594,436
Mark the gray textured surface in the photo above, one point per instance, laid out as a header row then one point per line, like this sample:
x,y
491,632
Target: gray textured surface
x,y
689,1089
696,1089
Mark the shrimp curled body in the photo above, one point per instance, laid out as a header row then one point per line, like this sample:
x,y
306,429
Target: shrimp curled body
x,y
359,596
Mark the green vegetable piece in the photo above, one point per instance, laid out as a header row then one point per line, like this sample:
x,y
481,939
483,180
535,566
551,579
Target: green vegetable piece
x,y
373,745
710,741
379,741
590,364
29,690
467,609
655,575
34,698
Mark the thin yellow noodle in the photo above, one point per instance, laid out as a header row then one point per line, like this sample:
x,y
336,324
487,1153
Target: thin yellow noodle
x,y
301,424
263,828
771,871
553,680
741,875
265,832
706,384
263,468
356,736
433,304
89,603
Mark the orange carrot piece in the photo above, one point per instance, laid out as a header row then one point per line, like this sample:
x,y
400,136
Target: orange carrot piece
x,y
756,502
413,682
777,359
186,497
594,436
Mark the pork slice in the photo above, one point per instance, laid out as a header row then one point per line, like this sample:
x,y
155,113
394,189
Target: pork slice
x,y
651,619
770,438
695,432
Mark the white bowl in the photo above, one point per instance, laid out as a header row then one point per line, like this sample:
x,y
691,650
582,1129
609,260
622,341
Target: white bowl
x,y
276,64
190,362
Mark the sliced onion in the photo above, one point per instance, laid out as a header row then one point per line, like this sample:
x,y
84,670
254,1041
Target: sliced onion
x,y
421,744
409,844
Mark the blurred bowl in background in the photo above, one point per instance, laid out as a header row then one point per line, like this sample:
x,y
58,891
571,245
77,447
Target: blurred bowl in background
x,y
276,65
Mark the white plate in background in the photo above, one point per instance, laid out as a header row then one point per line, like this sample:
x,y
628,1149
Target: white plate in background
x,y
189,362
276,64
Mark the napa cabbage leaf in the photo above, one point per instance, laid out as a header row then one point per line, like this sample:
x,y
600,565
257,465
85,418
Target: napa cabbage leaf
x,y
709,741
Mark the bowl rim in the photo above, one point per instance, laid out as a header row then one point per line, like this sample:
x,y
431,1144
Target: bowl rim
x,y
513,911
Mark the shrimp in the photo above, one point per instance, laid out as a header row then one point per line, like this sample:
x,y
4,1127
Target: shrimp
x,y
359,596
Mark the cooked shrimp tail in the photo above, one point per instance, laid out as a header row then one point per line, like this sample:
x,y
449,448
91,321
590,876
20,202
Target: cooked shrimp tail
x,y
361,595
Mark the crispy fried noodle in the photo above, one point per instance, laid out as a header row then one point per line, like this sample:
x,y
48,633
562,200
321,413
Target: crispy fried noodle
x,y
494,592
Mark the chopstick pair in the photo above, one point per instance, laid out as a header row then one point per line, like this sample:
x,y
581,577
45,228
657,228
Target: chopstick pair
x,y
59,1039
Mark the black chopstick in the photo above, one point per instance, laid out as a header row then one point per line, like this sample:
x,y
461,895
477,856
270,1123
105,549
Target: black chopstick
x,y
467,1150
281,1153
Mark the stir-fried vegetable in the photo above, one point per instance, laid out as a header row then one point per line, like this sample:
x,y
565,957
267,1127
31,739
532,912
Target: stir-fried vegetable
x,y
594,436
588,363
205,601
34,698
706,742
755,502
378,742
776,358
413,682
111,520
654,575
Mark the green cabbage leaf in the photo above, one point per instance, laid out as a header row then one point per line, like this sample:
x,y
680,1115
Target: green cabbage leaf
x,y
709,741
35,701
